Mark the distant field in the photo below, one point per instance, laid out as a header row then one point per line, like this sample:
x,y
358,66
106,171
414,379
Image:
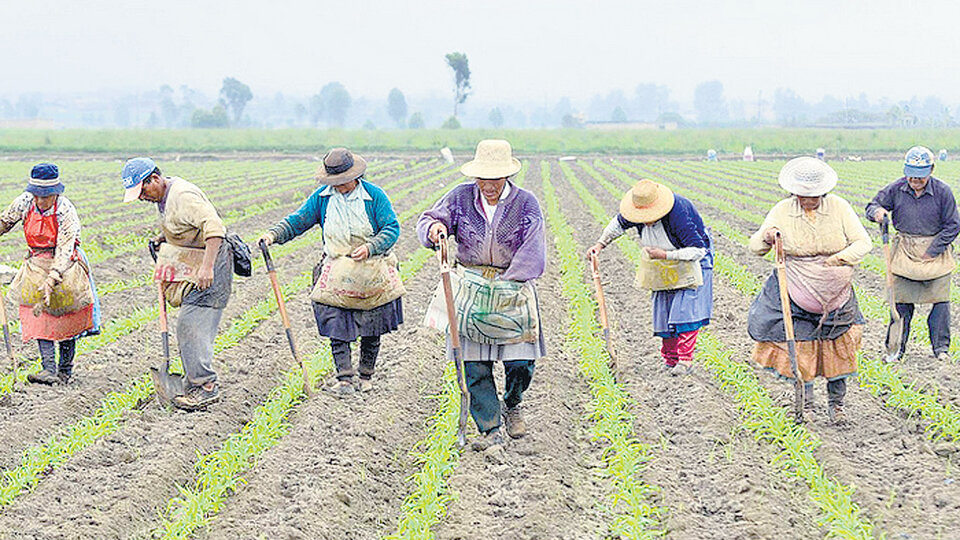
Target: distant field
x,y
765,141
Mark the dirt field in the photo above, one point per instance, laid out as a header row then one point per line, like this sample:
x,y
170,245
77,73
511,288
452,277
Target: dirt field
x,y
344,468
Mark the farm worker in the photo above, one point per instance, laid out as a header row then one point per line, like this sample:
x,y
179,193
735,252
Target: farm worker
x,y
942,155
192,243
822,241
748,153
821,154
924,213
501,251
359,230
57,297
711,155
670,229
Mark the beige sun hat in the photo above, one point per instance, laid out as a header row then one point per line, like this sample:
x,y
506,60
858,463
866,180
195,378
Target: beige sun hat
x,y
494,159
646,202
807,177
339,167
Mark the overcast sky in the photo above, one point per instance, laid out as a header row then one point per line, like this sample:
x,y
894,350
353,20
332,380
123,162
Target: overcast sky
x,y
518,50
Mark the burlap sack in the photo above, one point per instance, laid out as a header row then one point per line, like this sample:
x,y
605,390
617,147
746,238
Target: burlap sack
x,y
72,294
907,258
364,285
491,311
666,274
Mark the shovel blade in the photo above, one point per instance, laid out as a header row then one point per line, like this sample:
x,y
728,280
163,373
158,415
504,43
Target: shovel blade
x,y
894,335
168,385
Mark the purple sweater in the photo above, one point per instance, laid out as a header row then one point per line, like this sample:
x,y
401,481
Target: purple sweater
x,y
514,240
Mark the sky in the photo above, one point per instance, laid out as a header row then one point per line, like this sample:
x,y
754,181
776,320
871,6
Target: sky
x,y
518,50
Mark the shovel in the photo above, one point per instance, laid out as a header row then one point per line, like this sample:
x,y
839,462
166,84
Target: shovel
x,y
268,261
602,309
895,331
168,385
443,254
788,327
6,342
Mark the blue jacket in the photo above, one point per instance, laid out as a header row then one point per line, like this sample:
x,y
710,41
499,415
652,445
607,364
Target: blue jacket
x,y
313,211
684,228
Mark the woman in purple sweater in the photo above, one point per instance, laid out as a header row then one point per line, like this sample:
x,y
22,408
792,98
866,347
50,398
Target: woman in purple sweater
x,y
500,246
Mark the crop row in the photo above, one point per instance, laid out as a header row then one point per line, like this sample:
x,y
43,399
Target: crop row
x,y
761,416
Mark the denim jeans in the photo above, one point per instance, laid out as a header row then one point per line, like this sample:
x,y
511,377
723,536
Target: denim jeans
x,y
938,322
196,332
369,350
484,401
48,355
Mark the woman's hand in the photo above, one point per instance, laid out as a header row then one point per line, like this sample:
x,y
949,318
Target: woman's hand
x,y
48,285
594,250
360,253
770,235
655,253
436,230
833,260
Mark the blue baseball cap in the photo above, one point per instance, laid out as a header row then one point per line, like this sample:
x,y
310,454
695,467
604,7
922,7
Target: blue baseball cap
x,y
918,163
135,171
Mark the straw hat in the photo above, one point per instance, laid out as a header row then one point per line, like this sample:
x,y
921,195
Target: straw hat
x,y
339,167
807,177
646,202
494,159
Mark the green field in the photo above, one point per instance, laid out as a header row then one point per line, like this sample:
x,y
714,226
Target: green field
x,y
765,141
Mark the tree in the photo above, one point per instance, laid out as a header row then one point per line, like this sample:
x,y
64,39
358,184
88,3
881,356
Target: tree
x,y
650,101
397,106
416,121
451,123
496,118
236,95
618,115
336,101
788,107
461,71
168,109
709,102
316,109
216,118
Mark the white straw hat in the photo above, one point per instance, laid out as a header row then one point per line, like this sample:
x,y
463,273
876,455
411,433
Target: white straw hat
x,y
493,159
807,177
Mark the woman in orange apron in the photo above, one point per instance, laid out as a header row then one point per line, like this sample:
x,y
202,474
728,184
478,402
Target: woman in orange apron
x,y
57,296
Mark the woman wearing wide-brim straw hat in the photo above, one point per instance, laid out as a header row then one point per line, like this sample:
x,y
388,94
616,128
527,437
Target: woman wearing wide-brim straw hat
x,y
360,229
500,247
57,297
822,240
673,236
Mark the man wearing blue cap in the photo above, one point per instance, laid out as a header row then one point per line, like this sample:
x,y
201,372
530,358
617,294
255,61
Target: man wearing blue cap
x,y
924,213
196,266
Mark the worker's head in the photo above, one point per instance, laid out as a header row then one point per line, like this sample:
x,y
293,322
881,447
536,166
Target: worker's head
x,y
341,166
807,177
918,166
142,180
491,188
45,185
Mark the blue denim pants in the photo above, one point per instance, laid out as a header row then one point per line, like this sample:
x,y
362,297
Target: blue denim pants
x,y
484,401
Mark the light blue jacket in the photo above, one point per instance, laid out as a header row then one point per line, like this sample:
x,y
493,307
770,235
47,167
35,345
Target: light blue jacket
x,y
386,228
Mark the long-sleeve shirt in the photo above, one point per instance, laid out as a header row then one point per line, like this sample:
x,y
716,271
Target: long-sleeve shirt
x,y
68,225
313,211
681,233
514,239
188,218
832,229
933,213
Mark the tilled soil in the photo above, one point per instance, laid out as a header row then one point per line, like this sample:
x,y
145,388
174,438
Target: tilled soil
x,y
903,486
715,480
